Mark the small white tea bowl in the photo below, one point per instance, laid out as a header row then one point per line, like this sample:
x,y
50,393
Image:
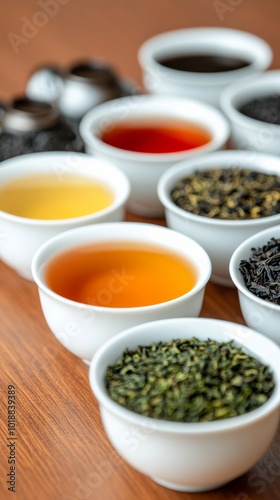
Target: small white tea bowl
x,y
259,314
207,87
248,133
144,169
83,328
218,237
20,237
188,456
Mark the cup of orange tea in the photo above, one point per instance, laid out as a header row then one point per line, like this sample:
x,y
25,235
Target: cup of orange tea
x,y
144,135
43,194
98,280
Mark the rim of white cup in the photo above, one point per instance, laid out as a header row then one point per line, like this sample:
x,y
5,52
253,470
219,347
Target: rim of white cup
x,y
120,196
236,258
124,107
245,91
171,427
180,170
150,49
47,250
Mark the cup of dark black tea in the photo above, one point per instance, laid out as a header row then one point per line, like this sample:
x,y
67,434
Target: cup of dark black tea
x,y
199,63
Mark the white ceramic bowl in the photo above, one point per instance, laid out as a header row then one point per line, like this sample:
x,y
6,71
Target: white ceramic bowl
x,y
203,86
188,456
246,132
83,328
218,237
20,237
258,314
144,169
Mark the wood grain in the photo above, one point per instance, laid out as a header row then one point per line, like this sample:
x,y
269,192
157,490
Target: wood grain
x,y
62,450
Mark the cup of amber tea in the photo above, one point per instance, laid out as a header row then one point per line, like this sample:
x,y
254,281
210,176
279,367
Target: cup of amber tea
x,y
145,135
198,63
97,280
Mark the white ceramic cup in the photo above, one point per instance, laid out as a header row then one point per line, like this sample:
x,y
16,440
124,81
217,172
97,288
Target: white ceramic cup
x,y
20,237
219,237
248,133
203,86
83,328
144,169
182,456
259,314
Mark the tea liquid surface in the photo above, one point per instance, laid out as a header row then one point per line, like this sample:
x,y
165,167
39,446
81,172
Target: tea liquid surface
x,y
203,63
120,276
50,197
165,136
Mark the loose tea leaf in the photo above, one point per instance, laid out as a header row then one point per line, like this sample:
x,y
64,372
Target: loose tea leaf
x,y
265,109
232,193
189,380
60,137
261,272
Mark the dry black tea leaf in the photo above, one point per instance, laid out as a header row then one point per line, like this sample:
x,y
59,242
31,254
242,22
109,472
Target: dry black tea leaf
x,y
261,272
264,108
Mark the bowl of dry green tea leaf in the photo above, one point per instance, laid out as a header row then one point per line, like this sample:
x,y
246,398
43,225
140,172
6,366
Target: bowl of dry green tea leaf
x,y
221,199
255,271
192,403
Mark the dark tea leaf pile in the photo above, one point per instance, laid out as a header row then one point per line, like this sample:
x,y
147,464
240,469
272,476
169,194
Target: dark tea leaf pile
x,y
261,272
189,380
265,109
232,193
60,137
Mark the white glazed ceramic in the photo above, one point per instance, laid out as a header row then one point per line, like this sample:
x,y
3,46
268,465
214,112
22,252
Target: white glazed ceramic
x,y
20,237
188,456
247,133
261,315
218,237
77,89
74,92
203,86
143,169
83,328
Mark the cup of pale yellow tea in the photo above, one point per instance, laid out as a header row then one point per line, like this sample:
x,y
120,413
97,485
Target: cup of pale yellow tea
x,y
43,194
97,280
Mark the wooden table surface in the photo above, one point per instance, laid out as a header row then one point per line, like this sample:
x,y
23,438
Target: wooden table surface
x,y
62,452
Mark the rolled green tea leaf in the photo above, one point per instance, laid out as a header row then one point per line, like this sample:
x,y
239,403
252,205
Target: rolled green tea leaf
x,y
231,194
189,380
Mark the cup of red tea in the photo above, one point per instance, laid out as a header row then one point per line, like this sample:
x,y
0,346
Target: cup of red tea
x,y
144,135
97,280
198,63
